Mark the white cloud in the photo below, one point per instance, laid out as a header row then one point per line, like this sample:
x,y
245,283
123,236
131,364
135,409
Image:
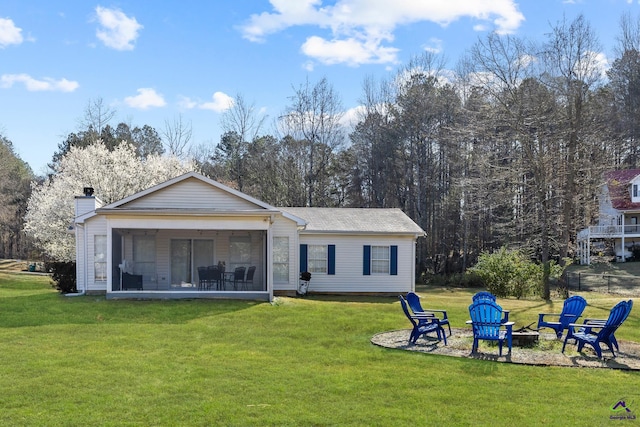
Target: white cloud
x,y
221,102
434,46
116,30
146,98
353,116
350,51
187,103
9,33
33,85
360,28
601,63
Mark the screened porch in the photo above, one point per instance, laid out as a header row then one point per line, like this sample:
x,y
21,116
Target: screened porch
x,y
182,261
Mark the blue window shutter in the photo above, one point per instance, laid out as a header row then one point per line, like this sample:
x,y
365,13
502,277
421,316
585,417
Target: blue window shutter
x,y
393,261
366,260
331,268
303,258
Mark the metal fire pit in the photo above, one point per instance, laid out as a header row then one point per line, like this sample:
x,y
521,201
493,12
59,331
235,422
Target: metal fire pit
x,y
525,336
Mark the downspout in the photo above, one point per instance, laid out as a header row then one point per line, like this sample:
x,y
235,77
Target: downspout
x,y
84,270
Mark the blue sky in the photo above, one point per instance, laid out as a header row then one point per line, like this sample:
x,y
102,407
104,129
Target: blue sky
x,y
155,61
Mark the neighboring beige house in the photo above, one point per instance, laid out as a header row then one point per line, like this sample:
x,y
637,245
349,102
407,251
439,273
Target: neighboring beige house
x,y
618,219
151,245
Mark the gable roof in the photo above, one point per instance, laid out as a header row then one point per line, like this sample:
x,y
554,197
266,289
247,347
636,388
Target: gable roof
x,y
618,182
152,196
183,178
356,220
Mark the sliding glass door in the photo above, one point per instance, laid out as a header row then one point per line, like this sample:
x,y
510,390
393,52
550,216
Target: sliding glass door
x,y
186,256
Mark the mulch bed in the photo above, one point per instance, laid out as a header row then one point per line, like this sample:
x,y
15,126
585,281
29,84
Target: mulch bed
x,y
547,352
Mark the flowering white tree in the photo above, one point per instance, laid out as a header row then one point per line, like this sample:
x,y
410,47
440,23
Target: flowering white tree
x,y
113,175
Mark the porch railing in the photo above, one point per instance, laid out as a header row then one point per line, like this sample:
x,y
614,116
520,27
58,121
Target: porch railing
x,y
611,230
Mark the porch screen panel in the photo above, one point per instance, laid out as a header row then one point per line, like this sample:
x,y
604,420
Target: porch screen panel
x,y
180,261
239,252
202,253
144,257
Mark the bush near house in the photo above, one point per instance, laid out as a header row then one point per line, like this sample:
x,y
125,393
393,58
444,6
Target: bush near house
x,y
63,274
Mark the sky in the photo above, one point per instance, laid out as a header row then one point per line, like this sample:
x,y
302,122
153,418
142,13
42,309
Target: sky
x,y
155,62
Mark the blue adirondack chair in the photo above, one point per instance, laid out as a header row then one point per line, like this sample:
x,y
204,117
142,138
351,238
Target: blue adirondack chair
x,y
422,324
413,300
486,321
484,295
571,311
605,330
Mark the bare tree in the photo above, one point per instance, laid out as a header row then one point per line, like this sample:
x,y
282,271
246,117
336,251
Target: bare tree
x,y
96,116
177,136
572,71
629,37
313,117
520,146
243,119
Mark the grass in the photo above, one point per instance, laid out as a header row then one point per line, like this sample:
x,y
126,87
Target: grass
x,y
88,361
630,268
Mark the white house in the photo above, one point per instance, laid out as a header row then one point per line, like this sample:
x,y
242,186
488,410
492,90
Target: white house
x,y
157,244
618,216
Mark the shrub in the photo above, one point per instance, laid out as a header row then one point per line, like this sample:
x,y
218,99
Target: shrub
x,y
511,273
63,274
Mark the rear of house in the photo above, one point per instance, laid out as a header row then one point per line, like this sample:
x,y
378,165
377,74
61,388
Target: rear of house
x,y
157,243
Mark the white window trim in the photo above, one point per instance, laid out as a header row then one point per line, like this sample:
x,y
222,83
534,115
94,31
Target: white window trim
x,y
387,260
326,259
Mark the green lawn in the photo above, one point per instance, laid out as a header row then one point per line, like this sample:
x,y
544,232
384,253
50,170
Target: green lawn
x,y
87,361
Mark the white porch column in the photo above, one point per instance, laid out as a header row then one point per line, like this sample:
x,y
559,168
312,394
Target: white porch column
x,y
269,261
622,240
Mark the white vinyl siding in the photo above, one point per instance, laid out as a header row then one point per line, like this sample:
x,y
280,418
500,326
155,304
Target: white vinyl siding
x,y
284,227
348,268
190,193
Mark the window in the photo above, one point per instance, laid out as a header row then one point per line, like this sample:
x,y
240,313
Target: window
x,y
281,259
317,258
380,259
635,190
100,257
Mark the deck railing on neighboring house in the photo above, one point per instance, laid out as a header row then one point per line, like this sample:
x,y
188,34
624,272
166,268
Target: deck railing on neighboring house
x,y
610,231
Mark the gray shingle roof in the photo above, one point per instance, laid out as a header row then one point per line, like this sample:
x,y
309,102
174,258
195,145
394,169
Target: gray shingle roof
x,y
356,220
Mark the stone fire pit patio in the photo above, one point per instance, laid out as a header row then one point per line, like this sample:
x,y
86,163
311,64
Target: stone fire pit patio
x,y
543,350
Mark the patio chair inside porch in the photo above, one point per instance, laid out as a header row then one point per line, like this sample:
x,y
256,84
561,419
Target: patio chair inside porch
x,y
208,277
